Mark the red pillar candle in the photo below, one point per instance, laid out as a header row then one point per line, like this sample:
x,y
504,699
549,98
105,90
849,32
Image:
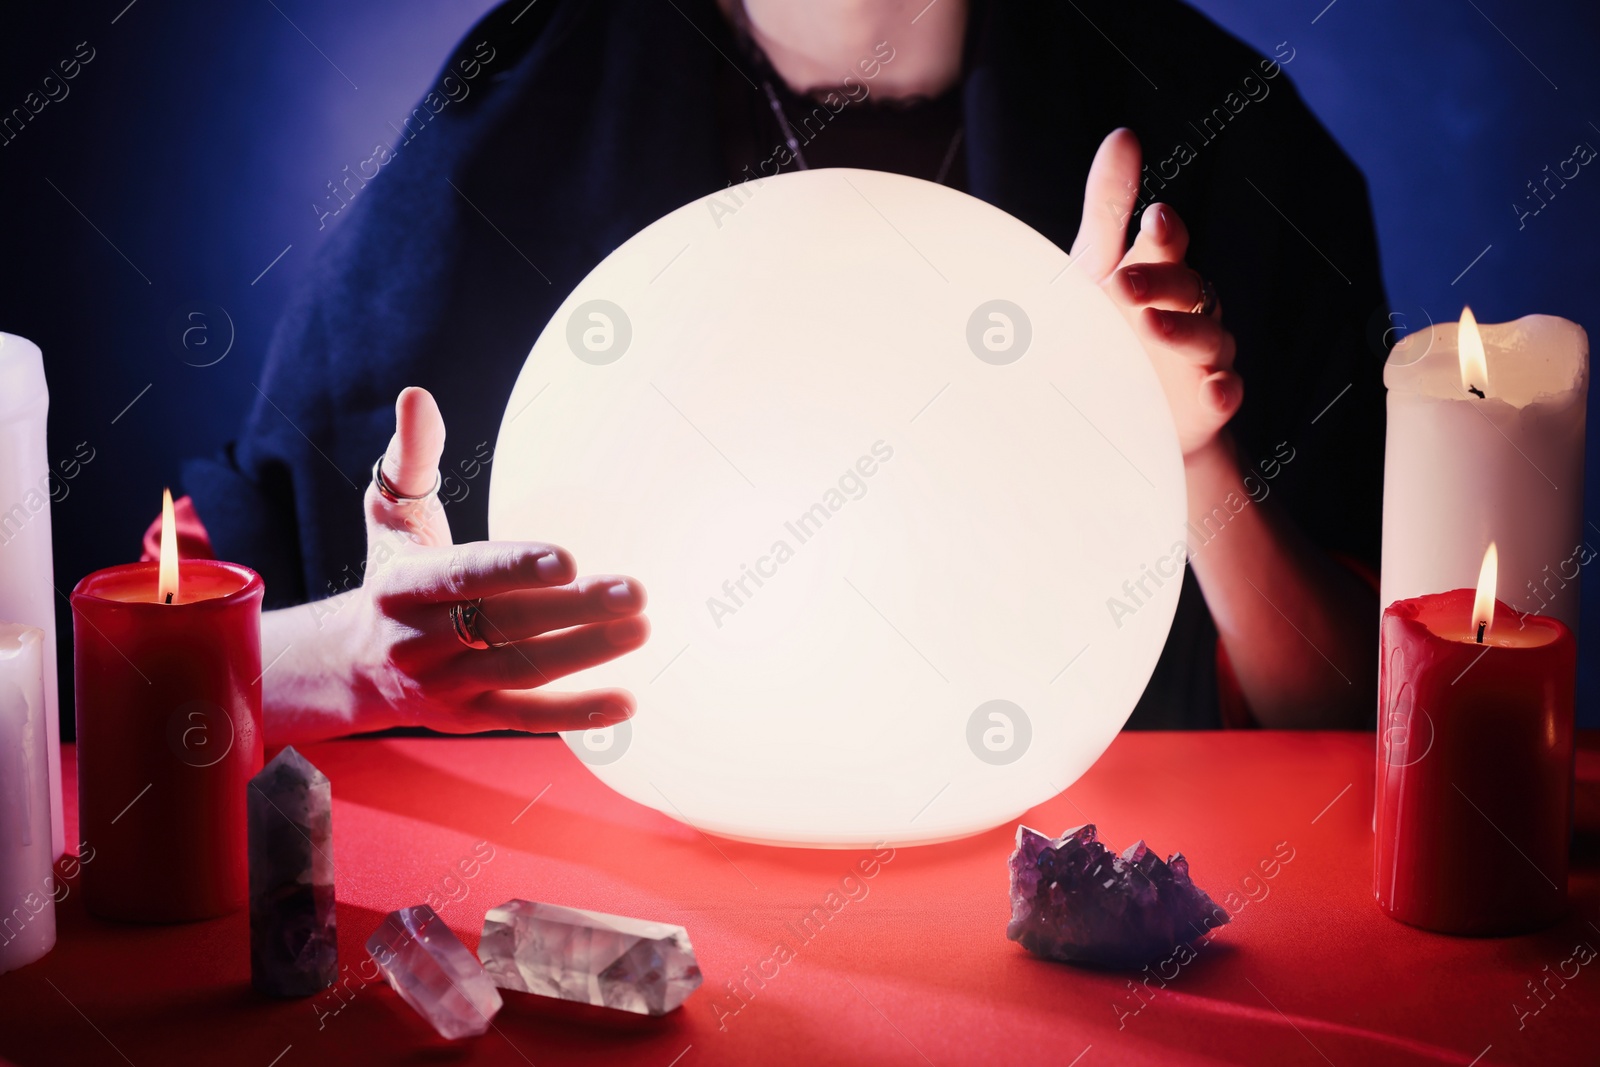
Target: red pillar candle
x,y
1475,764
168,701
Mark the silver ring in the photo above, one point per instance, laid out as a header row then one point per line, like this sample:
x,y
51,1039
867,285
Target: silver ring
x,y
393,495
1208,300
464,616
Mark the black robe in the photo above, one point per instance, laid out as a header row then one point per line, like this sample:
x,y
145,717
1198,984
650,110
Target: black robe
x,y
585,120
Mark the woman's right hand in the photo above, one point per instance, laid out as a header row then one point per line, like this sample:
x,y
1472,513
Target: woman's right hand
x,y
407,667
1159,294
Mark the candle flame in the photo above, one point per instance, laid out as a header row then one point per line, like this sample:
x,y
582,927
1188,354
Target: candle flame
x,y
167,583
1469,348
1483,604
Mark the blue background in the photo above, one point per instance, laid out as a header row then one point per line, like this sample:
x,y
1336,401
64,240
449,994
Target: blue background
x,y
199,137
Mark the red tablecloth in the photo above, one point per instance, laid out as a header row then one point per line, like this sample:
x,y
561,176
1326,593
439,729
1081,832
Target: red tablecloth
x,y
916,971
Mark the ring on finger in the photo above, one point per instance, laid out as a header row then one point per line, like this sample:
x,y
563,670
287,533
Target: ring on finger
x,y
387,490
1208,300
465,615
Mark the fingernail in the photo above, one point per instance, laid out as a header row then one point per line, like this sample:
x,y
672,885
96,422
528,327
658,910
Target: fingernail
x,y
1216,394
1166,223
1165,322
548,567
618,596
1137,283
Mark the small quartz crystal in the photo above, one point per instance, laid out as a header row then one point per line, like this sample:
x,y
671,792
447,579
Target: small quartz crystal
x,y
434,973
1073,899
294,949
587,956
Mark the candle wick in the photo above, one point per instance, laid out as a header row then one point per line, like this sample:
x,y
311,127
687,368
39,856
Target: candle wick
x,y
1481,626
1475,391
169,600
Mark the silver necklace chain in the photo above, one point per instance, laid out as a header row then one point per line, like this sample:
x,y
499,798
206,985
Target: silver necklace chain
x,y
786,128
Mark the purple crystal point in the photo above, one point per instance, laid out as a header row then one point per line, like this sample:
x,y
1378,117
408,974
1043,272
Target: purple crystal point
x,y
434,973
294,950
1073,899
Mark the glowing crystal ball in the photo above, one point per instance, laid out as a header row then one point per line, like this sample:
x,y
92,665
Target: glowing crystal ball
x,y
882,457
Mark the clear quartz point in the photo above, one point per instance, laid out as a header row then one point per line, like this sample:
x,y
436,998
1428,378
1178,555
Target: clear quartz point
x,y
610,961
434,973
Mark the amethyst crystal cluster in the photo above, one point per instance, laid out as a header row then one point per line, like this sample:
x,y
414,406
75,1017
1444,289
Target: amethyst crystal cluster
x,y
1074,899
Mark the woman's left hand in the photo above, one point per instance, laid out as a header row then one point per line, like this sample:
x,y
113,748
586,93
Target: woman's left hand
x,y
1162,297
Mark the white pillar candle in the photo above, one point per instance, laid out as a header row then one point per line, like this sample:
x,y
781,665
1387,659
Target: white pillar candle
x,y
1464,469
27,886
27,581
